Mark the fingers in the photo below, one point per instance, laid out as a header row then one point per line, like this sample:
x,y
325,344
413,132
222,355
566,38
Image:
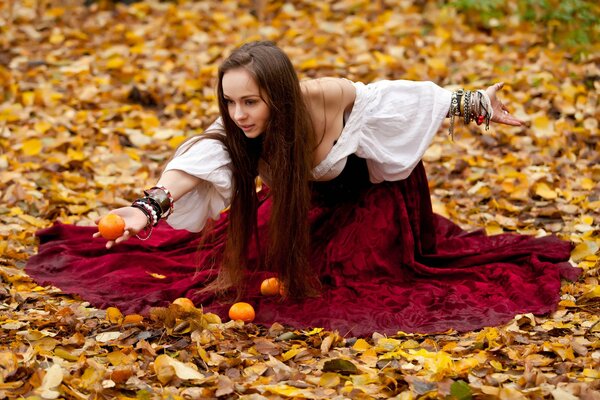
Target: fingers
x,y
110,243
506,118
126,235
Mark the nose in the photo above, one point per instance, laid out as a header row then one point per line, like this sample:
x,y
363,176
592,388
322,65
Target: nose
x,y
239,113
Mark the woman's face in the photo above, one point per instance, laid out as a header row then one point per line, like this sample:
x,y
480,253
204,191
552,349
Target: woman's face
x,y
244,103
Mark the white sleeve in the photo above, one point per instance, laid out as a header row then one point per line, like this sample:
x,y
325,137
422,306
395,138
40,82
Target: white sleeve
x,y
208,160
398,126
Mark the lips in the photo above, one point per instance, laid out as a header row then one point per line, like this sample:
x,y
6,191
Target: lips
x,y
247,127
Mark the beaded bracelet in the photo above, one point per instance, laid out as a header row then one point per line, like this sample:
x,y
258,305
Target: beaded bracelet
x,y
486,106
162,198
455,109
149,224
151,208
475,106
467,107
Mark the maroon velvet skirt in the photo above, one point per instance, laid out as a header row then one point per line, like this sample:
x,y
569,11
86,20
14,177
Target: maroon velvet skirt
x,y
385,261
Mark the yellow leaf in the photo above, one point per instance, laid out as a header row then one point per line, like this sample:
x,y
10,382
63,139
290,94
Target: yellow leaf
x,y
538,360
39,223
291,353
438,65
567,303
115,63
32,147
132,319
8,362
493,228
41,126
442,32
65,354
203,355
465,365
183,371
361,345
308,64
497,365
544,191
163,369
15,211
175,141
155,275
585,265
587,184
314,331
587,220
113,315
56,37
383,58
564,352
149,121
27,98
542,126
329,380
591,373
55,12
133,154
51,380
489,335
75,155
369,357
289,391
582,250
593,293
211,318
117,358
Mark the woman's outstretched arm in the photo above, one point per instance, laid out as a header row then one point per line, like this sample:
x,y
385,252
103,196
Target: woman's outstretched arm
x,y
177,182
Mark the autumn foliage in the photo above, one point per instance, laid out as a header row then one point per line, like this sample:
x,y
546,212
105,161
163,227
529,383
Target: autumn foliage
x,y
93,101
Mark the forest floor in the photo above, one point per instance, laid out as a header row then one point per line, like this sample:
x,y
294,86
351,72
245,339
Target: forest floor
x,y
95,99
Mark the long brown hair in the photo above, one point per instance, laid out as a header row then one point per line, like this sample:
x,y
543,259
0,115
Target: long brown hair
x,y
286,149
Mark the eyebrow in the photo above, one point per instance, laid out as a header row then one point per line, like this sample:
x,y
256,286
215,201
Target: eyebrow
x,y
243,97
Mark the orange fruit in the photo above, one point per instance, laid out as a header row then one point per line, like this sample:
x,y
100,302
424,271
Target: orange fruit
x,y
242,312
185,303
270,287
111,226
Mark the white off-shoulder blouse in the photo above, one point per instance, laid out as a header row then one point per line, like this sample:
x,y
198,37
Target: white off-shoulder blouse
x,y
391,125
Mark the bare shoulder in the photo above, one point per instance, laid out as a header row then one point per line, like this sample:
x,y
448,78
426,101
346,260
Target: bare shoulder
x,y
329,92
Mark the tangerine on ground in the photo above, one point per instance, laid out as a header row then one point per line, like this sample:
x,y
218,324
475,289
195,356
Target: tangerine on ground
x,y
242,312
270,287
111,226
185,303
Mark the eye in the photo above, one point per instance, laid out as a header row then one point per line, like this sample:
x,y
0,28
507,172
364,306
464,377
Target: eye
x,y
227,102
250,102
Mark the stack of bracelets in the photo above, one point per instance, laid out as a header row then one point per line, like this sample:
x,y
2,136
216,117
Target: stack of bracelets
x,y
156,205
473,106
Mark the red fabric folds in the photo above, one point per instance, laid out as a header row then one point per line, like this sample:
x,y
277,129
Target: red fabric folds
x,y
386,263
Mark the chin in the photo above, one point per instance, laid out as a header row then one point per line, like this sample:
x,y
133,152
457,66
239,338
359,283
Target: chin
x,y
253,135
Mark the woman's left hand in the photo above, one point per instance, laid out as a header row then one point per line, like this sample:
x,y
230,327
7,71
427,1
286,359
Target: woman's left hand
x,y
501,113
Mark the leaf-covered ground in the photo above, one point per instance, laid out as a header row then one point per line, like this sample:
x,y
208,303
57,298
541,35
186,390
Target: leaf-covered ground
x,y
95,99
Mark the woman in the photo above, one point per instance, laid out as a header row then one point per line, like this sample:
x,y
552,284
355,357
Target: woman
x,y
346,217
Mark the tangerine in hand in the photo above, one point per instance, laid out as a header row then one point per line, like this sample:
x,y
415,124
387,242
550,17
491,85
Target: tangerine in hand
x,y
270,287
242,312
111,226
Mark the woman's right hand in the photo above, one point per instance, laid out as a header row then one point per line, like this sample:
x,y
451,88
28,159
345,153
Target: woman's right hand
x,y
135,221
